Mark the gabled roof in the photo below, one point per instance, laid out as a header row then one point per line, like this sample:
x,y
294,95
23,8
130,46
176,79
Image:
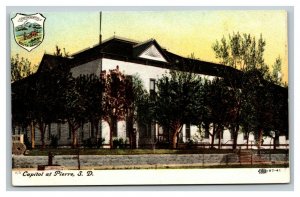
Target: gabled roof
x,y
51,61
138,49
114,47
128,50
48,63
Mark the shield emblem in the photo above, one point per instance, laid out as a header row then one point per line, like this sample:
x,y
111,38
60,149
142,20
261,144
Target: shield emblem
x,y
28,30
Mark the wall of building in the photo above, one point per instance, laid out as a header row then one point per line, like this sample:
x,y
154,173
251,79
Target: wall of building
x,y
61,130
227,139
145,72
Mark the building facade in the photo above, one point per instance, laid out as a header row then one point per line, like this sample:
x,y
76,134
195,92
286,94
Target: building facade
x,y
149,61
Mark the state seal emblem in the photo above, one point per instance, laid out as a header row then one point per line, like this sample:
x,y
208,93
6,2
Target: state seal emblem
x,y
28,30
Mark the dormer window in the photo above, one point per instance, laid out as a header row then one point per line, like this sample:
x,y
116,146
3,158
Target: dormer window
x,y
152,53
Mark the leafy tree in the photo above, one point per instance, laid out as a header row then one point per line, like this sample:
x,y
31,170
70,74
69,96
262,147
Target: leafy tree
x,y
240,51
46,101
43,104
21,110
178,101
280,114
219,105
20,68
256,104
90,89
115,102
279,104
278,122
142,107
137,109
58,52
34,102
75,110
81,102
247,54
276,73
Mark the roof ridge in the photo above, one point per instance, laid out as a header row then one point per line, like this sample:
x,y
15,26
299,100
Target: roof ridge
x,y
124,39
104,41
57,56
141,43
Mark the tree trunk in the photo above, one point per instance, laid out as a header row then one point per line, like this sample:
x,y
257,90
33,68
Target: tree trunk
x,y
74,129
276,138
234,144
247,140
92,129
74,137
43,139
134,134
110,134
175,136
212,141
100,129
220,137
235,135
32,129
129,128
97,129
42,130
174,141
260,134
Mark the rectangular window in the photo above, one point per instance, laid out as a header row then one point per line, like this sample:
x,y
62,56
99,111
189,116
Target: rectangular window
x,y
115,127
82,131
181,136
59,130
218,135
245,136
129,126
230,135
92,129
152,88
70,132
152,84
49,131
206,133
153,130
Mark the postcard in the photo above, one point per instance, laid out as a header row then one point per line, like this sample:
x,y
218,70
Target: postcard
x,y
149,97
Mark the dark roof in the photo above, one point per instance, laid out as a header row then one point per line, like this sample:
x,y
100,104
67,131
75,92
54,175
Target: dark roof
x,y
27,80
201,67
51,61
120,49
138,49
126,50
48,63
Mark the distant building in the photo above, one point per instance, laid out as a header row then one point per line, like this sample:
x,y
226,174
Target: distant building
x,y
150,61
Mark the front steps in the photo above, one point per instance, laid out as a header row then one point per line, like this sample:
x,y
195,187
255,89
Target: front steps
x,y
247,157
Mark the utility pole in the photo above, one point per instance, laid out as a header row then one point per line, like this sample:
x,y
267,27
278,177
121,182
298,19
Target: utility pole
x,y
100,65
100,35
